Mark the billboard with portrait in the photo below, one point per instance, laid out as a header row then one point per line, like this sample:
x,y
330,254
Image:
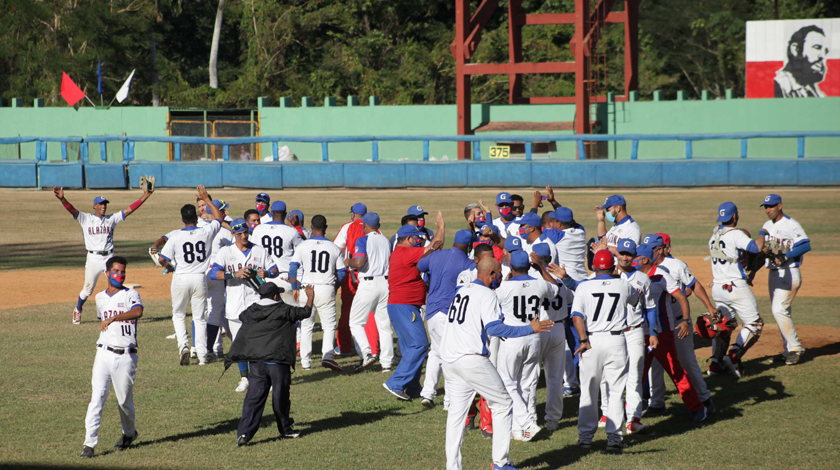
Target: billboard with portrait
x,y
793,58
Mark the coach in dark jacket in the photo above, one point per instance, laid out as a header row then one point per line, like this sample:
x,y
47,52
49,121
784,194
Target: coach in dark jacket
x,y
267,341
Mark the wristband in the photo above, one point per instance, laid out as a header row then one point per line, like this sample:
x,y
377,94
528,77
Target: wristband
x,y
585,340
136,204
230,276
68,206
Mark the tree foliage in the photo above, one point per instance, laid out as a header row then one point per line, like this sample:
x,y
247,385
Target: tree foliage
x,y
397,49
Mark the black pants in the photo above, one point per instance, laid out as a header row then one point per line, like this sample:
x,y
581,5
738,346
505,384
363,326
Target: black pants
x,y
261,378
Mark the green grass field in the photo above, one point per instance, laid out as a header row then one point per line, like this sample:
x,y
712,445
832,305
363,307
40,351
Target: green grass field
x,y
777,417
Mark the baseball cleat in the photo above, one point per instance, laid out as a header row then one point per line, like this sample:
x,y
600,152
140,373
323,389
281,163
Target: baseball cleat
x,y
710,406
792,357
291,434
77,320
636,427
331,365
507,466
517,436
365,363
387,369
486,434
185,356
399,394
551,425
531,432
243,385
700,415
569,392
734,367
602,423
193,353
583,444
125,441
87,453
470,424
715,369
172,336
242,440
616,446
428,404
654,411
209,358
336,351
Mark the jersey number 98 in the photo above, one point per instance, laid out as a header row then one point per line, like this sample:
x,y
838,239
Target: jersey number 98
x,y
273,245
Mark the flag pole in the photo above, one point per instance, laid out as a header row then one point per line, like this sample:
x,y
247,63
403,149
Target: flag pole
x,y
91,102
112,102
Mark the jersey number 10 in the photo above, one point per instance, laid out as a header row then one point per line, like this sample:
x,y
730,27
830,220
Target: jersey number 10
x,y
320,262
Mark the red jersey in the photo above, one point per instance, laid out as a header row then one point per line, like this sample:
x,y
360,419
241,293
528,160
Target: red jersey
x,y
497,252
405,285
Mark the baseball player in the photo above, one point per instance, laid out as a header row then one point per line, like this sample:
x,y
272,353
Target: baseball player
x,y
191,249
521,298
443,268
261,204
116,356
473,315
252,217
296,220
731,292
530,231
370,260
571,243
216,288
323,268
685,345
280,241
553,346
505,223
517,205
784,240
599,314
234,264
614,210
421,221
408,219
98,232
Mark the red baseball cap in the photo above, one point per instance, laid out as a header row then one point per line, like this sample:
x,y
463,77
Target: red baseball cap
x,y
665,238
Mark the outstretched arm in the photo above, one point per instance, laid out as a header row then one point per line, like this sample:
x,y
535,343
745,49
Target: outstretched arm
x,y
59,193
217,214
136,204
439,238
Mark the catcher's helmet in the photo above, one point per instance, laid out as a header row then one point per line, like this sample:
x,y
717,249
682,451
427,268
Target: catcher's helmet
x,y
603,260
706,328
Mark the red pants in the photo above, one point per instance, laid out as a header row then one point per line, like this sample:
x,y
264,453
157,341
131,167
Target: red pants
x,y
486,419
666,354
343,337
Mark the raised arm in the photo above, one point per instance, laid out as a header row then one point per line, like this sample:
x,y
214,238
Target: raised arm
x,y
202,194
136,204
439,238
59,193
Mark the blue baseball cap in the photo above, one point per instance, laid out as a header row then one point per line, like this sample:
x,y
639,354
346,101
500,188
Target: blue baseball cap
x,y
408,231
653,240
503,198
278,206
520,259
299,215
493,229
564,214
513,244
464,237
359,209
626,245
416,210
220,204
371,219
264,197
529,219
645,250
542,249
726,211
239,225
772,200
100,200
614,200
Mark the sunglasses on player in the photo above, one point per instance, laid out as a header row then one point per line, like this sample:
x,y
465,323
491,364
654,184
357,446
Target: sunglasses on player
x,y
239,227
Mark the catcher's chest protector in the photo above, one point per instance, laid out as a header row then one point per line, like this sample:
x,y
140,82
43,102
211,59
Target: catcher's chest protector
x,y
715,249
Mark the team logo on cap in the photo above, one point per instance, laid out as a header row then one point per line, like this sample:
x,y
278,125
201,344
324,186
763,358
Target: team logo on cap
x,y
503,196
647,239
627,243
606,200
419,208
767,199
722,212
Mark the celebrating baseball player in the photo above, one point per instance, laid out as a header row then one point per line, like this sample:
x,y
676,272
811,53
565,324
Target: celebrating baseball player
x,y
280,241
505,223
116,356
98,232
614,210
473,315
261,204
784,242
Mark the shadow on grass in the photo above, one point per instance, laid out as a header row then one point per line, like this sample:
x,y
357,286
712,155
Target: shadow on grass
x,y
345,420
64,254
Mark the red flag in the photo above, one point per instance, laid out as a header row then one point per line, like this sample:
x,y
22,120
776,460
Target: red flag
x,y
69,91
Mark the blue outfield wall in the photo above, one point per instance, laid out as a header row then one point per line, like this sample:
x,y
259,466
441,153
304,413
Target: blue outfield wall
x,y
386,175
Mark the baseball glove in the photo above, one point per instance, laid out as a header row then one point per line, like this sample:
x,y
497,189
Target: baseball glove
x,y
147,183
154,253
253,280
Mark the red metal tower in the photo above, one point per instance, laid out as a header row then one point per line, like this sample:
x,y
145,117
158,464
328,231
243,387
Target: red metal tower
x,y
588,22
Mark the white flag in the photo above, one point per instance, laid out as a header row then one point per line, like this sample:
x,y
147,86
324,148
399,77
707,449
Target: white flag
x,y
123,93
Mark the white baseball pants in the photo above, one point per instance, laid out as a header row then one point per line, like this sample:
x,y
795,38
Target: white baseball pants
x,y
372,295
784,284
570,376
519,368
324,306
435,327
192,289
688,359
607,358
216,309
741,302
636,349
94,266
119,370
553,357
462,379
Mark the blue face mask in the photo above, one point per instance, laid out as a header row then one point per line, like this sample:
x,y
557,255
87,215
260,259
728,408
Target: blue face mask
x,y
610,217
416,242
116,279
496,282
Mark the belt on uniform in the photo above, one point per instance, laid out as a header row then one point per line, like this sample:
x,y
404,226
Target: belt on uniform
x,y
631,328
101,253
370,278
117,350
614,333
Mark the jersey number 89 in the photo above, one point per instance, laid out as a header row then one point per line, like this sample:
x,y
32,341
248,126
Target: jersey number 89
x,y
193,253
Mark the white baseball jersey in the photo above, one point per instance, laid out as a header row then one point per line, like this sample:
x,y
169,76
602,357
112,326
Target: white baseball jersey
x,y
522,298
191,248
119,334
728,268
662,285
377,249
641,283
201,223
782,236
624,228
266,218
230,259
602,302
99,231
571,251
511,229
682,274
279,240
341,237
474,307
557,308
222,239
469,275
319,259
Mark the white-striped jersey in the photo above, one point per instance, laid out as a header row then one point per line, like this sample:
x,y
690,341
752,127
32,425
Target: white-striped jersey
x,y
279,240
602,302
511,229
319,259
119,334
641,283
230,259
469,275
474,306
783,236
99,231
522,299
732,243
571,252
625,228
377,251
682,274
662,285
191,248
